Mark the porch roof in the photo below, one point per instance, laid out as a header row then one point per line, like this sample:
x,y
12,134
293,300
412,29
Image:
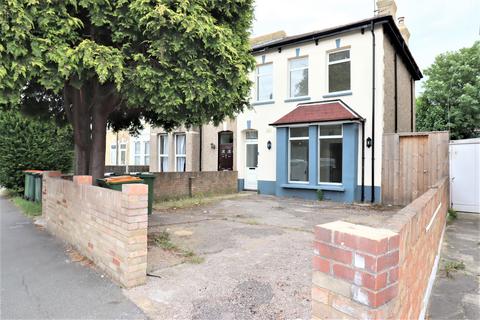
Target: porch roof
x,y
321,111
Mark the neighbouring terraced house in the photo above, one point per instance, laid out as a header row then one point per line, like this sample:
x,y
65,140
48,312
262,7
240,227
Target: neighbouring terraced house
x,y
321,102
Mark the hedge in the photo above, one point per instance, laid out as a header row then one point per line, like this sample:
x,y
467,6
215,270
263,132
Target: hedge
x,y
27,143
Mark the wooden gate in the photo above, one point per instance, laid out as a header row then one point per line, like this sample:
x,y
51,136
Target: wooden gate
x,y
412,163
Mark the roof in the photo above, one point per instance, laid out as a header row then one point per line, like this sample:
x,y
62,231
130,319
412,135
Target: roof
x,y
321,111
390,28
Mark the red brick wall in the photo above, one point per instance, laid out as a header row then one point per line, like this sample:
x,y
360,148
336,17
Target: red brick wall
x,y
362,272
183,184
107,226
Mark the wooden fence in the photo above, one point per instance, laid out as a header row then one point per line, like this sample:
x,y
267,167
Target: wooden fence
x,y
412,162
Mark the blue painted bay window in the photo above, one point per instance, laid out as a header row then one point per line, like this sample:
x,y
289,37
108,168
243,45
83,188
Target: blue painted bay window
x,y
329,163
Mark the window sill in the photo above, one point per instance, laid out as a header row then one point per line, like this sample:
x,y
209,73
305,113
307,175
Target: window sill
x,y
312,187
297,99
259,103
338,94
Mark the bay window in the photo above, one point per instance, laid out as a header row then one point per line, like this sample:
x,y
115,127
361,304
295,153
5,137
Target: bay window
x,y
298,154
163,152
330,144
180,152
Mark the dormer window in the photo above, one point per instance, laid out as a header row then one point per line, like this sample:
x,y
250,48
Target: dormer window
x,y
298,77
264,81
339,71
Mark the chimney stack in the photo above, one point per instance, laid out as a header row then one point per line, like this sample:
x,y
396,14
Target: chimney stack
x,y
387,8
403,29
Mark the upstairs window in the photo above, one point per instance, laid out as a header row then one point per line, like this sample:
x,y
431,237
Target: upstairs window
x,y
298,77
265,82
113,154
339,71
123,153
330,145
298,154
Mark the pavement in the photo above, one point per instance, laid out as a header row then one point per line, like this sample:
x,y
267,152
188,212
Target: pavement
x,y
255,251
458,296
40,281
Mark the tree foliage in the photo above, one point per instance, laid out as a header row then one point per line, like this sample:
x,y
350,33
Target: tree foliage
x,y
169,62
451,97
27,143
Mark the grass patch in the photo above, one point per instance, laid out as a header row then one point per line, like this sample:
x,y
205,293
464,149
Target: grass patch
x,y
453,266
163,241
29,208
189,202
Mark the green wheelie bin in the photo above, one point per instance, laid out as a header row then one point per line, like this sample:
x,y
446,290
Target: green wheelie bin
x,y
37,190
116,182
148,179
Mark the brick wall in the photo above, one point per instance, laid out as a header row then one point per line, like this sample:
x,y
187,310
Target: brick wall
x,y
109,227
184,184
363,272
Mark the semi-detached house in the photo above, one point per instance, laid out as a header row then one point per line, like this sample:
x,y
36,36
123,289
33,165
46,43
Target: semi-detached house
x,y
321,103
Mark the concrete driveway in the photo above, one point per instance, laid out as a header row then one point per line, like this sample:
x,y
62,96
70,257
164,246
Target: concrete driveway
x,y
255,258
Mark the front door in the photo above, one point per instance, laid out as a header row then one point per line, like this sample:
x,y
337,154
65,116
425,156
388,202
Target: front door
x,y
225,151
252,165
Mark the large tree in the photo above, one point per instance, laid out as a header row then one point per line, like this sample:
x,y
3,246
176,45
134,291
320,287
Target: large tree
x,y
169,62
451,97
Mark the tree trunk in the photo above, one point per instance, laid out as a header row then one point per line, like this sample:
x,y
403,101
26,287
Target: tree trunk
x,y
97,151
82,131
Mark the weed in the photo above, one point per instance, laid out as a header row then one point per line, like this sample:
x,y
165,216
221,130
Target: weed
x,y
189,202
451,215
319,195
162,240
252,222
29,208
453,266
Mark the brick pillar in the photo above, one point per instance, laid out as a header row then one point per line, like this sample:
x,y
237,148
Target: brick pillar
x,y
355,270
134,211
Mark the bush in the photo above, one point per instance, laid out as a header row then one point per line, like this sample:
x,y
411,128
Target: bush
x,y
26,143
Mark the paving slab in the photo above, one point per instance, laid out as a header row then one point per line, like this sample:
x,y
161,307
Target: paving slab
x,y
458,296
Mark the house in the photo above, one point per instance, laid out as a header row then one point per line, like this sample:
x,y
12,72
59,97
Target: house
x,y
125,149
321,104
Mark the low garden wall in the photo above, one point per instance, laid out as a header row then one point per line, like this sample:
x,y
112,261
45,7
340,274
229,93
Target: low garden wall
x,y
107,226
183,184
363,272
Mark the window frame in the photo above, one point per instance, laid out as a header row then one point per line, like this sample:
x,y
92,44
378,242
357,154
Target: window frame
x,y
257,77
289,93
307,138
349,59
320,137
162,155
123,148
113,151
184,155
139,154
146,155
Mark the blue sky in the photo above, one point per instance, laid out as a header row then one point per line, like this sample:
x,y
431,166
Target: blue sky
x,y
436,26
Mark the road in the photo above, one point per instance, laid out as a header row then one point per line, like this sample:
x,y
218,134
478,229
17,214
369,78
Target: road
x,y
39,281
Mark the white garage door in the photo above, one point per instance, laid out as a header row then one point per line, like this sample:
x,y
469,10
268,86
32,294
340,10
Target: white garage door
x,y
465,175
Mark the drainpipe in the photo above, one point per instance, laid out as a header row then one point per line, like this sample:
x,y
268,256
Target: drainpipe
x,y
411,104
200,152
396,92
373,114
363,161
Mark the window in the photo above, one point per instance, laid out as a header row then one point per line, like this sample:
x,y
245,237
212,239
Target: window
x,y
180,152
298,77
163,152
113,154
123,153
251,135
339,71
146,153
265,82
136,153
330,153
298,154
